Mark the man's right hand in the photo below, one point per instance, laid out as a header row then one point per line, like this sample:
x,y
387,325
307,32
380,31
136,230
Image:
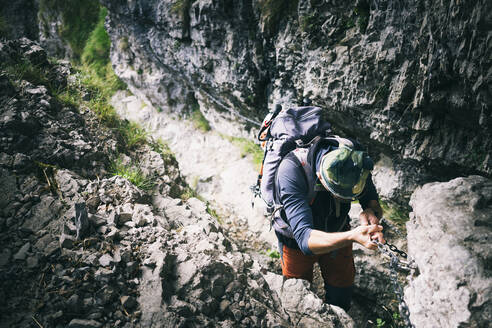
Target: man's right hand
x,y
362,235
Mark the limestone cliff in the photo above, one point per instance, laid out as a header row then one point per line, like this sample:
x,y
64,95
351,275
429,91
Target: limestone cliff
x,y
409,78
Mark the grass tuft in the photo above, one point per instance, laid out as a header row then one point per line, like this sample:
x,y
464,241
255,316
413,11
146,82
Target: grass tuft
x,y
199,121
25,70
78,20
247,147
162,148
133,134
132,173
96,51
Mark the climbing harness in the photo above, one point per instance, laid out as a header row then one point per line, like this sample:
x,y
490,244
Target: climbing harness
x,y
397,264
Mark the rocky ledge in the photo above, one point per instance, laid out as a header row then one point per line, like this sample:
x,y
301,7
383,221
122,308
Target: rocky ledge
x,y
80,248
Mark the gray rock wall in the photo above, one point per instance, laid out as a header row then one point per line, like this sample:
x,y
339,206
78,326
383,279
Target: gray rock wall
x,y
19,19
449,237
409,78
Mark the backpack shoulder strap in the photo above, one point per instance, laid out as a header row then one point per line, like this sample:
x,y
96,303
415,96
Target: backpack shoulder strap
x,y
302,156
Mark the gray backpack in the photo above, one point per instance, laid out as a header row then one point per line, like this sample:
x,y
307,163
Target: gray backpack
x,y
282,131
295,131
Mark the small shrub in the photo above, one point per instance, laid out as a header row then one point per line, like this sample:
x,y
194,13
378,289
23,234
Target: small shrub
x,y
199,121
23,69
380,322
395,214
273,254
133,174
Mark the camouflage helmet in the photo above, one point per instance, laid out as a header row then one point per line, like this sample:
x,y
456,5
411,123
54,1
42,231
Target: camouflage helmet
x,y
344,171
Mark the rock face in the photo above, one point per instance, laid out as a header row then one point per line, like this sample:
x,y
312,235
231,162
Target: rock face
x,y
82,249
64,26
449,237
19,19
410,78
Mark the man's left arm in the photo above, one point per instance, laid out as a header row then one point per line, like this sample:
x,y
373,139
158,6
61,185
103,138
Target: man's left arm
x,y
372,211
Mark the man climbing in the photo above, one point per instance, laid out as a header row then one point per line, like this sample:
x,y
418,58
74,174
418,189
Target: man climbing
x,y
317,214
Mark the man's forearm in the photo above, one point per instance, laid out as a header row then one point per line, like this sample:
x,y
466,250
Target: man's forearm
x,y
320,242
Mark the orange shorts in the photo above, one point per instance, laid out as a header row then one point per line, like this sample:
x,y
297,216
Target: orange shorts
x,y
337,267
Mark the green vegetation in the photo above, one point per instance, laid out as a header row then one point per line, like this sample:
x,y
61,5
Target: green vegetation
x,y
133,134
213,213
395,321
189,192
177,44
162,148
199,121
25,70
124,45
349,23
247,147
273,254
308,22
78,20
273,11
132,173
362,14
395,214
181,7
96,52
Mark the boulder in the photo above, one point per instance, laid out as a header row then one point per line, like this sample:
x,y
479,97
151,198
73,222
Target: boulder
x,y
303,306
449,237
22,253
